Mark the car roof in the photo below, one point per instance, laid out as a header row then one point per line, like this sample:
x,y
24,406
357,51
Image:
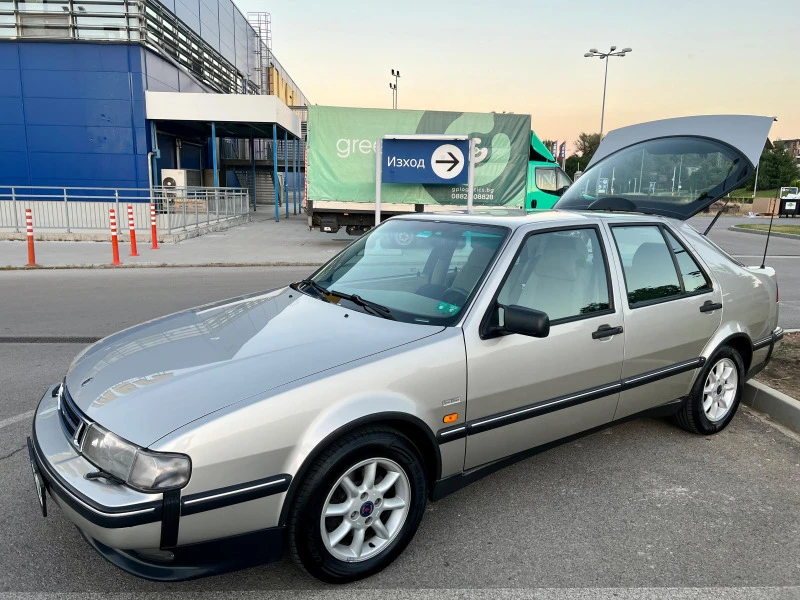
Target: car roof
x,y
515,218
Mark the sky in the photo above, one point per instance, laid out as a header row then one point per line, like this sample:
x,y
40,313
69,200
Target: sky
x,y
689,57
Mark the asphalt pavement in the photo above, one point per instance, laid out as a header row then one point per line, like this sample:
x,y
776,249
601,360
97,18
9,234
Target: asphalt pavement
x,y
641,510
622,513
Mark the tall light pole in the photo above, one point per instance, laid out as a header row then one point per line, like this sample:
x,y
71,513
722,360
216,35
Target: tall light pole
x,y
593,53
393,86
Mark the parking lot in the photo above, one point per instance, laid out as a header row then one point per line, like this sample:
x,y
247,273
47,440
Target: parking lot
x,y
641,510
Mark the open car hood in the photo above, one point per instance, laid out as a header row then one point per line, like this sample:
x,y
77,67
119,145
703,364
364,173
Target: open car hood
x,y
673,167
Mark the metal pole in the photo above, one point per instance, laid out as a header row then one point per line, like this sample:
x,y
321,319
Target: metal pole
x,y
253,160
603,111
286,170
214,153
16,215
275,169
641,172
66,209
755,185
116,202
295,146
470,174
378,177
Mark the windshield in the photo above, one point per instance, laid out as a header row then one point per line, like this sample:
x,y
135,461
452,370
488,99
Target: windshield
x,y
421,271
551,179
674,176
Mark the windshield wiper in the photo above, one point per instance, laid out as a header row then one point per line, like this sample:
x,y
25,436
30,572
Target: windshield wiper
x,y
319,291
376,309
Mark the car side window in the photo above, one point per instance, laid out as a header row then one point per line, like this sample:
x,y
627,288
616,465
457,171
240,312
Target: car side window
x,y
694,279
561,273
647,263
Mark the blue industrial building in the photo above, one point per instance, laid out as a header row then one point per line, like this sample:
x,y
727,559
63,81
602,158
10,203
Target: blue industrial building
x,y
74,76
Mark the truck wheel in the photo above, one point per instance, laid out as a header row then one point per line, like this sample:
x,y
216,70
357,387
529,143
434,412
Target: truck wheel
x,y
359,506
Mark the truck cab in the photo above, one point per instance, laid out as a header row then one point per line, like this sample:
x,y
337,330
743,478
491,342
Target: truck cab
x,y
546,180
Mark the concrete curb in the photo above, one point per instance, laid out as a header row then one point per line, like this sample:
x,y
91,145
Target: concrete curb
x,y
778,406
789,236
161,266
142,235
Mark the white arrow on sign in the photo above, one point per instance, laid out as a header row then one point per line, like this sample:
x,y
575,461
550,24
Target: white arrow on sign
x,y
447,161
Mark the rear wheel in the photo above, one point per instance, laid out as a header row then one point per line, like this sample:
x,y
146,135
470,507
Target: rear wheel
x,y
716,394
359,506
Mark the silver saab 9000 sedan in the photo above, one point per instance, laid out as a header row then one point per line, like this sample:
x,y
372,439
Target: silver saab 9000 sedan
x,y
320,418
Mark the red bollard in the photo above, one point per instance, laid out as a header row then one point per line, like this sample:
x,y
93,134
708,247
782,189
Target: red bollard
x,y
132,231
153,226
29,224
114,241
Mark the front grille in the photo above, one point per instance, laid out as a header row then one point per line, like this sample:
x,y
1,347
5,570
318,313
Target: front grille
x,y
72,420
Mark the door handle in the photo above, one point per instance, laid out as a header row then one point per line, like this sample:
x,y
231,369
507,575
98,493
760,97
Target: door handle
x,y
709,306
605,331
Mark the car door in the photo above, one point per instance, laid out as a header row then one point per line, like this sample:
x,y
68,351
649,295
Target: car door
x,y
671,311
523,391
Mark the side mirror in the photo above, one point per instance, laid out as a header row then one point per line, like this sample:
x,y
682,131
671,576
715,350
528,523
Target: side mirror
x,y
526,321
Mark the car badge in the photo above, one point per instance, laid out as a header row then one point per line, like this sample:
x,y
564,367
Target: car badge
x,y
366,509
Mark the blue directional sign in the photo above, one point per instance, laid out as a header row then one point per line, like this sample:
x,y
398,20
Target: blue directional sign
x,y
418,161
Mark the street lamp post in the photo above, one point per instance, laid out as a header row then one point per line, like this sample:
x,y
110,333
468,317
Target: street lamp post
x,y
393,87
593,53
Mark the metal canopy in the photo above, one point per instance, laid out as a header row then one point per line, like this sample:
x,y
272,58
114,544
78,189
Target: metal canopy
x,y
234,115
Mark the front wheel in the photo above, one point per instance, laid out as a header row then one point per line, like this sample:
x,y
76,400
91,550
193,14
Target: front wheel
x,y
359,506
716,394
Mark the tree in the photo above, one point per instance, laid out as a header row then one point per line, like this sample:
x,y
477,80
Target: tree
x,y
776,169
548,144
586,145
574,163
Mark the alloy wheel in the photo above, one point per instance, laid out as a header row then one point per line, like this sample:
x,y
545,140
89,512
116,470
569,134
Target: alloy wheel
x,y
719,391
365,510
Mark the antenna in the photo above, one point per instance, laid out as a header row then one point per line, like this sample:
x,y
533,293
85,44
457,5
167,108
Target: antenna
x,y
769,232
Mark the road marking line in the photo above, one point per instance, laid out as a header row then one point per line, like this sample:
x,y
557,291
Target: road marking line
x,y
48,340
675,593
17,419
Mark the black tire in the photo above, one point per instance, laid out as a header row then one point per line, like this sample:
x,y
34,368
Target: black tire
x,y
304,528
691,416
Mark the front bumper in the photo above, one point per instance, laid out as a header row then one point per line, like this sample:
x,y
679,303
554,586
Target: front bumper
x,y
133,530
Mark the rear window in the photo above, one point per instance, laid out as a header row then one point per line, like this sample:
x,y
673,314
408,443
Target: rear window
x,y
673,176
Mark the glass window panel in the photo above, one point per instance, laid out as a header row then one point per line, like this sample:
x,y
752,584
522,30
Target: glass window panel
x,y
561,273
107,33
694,280
116,22
647,262
99,9
44,7
546,179
672,176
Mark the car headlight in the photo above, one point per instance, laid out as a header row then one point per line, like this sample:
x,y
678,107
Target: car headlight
x,y
141,469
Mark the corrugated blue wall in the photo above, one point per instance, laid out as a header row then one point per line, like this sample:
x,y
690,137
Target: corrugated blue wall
x,y
72,114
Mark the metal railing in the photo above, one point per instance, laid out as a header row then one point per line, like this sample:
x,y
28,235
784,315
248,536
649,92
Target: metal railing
x,y
240,149
86,209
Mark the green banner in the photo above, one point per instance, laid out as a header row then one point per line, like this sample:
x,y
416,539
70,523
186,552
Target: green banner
x,y
341,155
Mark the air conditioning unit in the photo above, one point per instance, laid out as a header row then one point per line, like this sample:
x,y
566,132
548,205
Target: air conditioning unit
x,y
173,178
